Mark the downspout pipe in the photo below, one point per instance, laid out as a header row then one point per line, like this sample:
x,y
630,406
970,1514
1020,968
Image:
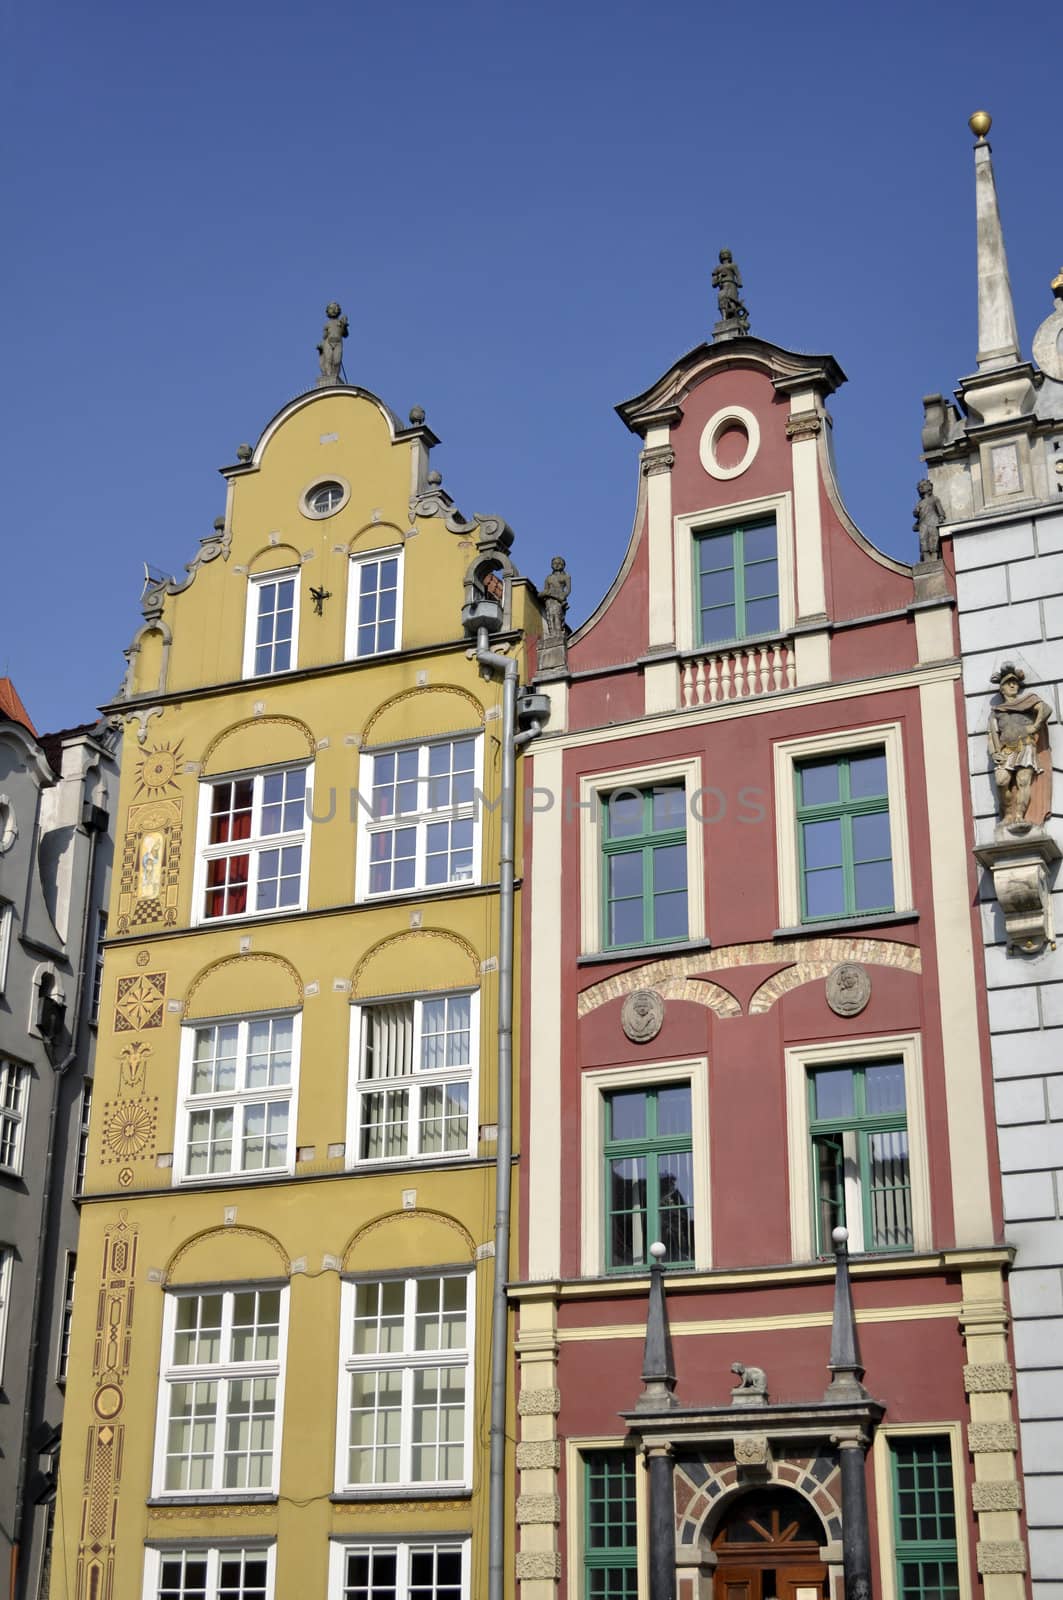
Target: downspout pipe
x,y
511,742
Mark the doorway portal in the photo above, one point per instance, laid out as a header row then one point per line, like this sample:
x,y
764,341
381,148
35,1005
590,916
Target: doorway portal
x,y
767,1548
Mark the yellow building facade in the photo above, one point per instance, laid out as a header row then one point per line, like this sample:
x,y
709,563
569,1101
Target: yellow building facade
x,y
280,1346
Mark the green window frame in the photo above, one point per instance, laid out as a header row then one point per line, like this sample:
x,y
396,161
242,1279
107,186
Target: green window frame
x,y
649,1175
924,1518
610,1543
845,857
858,1121
737,582
644,866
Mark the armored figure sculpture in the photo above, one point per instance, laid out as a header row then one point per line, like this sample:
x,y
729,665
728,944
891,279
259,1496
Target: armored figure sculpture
x,y
752,1386
331,347
1014,734
727,281
928,516
555,592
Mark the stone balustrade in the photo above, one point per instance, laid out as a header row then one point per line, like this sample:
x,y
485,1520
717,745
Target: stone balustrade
x,y
738,673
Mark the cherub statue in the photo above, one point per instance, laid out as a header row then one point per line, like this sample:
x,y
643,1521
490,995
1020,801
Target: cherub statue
x,y
928,516
1014,734
331,347
752,1386
555,592
727,281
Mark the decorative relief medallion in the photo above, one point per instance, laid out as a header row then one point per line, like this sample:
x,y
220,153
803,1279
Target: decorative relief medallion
x,y
107,1402
129,1130
139,1002
848,989
143,957
752,1450
156,771
641,1015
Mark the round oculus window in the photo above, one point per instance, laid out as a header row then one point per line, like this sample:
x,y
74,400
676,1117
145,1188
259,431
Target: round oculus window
x,y
326,498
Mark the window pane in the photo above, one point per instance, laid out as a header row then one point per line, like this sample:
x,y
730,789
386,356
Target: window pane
x,y
825,893
891,1217
716,551
673,1110
762,615
819,782
871,837
884,1087
627,1115
759,543
874,886
668,809
717,588
822,844
834,1093
669,891
627,1207
675,1176
867,774
624,813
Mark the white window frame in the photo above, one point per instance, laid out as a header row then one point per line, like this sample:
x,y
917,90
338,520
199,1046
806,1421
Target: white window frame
x,y
16,1115
408,1361
594,1086
884,1508
254,584
238,1099
845,741
221,1373
340,1544
66,1315
96,991
368,826
715,519
799,1060
421,1077
154,1556
253,846
7,917
7,1261
593,790
81,1151
355,564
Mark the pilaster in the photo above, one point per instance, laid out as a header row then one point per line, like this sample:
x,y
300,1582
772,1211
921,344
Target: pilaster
x,y
538,1449
992,1435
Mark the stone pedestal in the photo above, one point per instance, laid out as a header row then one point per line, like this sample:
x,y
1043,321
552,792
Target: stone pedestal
x,y
1019,859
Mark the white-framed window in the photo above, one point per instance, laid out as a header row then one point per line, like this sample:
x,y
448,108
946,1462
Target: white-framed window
x,y
236,1111
221,1394
374,604
82,1156
921,1471
701,578
97,966
409,1569
405,1392
14,1094
6,919
628,818
413,1071
423,825
210,1572
7,1257
607,1160
871,1158
66,1314
272,630
824,844
254,855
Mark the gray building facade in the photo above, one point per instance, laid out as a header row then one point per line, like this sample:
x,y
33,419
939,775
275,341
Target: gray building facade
x,y
55,863
995,460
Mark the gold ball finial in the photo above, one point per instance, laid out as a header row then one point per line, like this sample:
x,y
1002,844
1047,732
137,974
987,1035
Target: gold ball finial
x,y
980,124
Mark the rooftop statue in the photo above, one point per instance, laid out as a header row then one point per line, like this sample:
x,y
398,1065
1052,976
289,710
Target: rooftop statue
x,y
727,281
331,347
928,516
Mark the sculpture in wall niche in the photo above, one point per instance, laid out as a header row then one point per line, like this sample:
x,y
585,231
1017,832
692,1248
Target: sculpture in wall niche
x,y
553,642
928,516
1016,740
331,347
641,1015
727,281
752,1386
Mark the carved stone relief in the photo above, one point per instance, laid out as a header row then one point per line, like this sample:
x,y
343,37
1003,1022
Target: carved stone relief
x,y
848,989
642,1015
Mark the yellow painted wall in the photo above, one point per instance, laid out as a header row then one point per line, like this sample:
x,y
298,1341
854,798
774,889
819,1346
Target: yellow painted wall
x,y
140,1231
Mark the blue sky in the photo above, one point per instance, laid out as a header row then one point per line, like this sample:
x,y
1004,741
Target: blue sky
x,y
518,205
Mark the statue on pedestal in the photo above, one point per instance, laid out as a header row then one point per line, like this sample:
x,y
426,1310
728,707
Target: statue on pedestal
x,y
928,516
727,281
331,347
1014,736
553,643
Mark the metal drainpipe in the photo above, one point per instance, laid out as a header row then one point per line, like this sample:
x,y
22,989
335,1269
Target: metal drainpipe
x,y
59,1072
511,742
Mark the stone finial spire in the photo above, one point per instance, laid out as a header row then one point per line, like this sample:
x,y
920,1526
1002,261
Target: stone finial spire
x,y
658,1362
998,338
845,1368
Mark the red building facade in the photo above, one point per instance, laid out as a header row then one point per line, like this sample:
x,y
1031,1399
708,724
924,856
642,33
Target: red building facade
x,y
754,1017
